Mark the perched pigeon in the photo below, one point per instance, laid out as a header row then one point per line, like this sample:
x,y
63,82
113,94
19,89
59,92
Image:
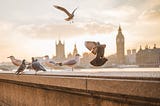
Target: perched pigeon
x,y
21,67
37,66
70,15
97,49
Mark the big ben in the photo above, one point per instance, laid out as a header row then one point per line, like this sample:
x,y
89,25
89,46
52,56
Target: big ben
x,y
120,47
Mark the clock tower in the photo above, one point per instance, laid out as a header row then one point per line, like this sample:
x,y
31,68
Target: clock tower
x,y
120,47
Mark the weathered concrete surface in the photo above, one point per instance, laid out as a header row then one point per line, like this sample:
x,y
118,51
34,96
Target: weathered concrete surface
x,y
128,87
40,90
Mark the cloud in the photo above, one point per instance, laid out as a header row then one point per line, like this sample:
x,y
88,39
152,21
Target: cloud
x,y
64,30
150,15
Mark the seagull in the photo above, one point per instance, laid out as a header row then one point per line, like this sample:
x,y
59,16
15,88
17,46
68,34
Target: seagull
x,y
15,61
70,15
97,49
49,62
21,67
71,62
37,66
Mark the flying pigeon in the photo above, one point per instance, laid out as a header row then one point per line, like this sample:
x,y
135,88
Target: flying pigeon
x,y
70,15
97,49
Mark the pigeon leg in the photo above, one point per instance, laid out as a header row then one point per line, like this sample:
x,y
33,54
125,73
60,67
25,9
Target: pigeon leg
x,y
16,73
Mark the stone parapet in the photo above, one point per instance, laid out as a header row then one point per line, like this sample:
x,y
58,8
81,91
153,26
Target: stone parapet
x,y
78,90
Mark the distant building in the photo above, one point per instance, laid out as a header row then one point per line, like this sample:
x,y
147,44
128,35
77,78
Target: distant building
x,y
72,55
148,57
120,47
60,51
112,60
131,57
69,56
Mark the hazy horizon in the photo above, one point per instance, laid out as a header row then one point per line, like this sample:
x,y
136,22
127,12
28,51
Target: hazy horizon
x,y
30,28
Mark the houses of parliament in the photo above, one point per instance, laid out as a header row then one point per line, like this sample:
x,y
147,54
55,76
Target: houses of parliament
x,y
146,57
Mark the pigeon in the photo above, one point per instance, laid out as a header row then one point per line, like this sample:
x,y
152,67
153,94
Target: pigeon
x,y
70,15
21,67
37,66
71,62
97,49
15,61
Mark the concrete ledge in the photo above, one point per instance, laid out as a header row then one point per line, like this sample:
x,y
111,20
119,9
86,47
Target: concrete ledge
x,y
68,82
139,88
120,90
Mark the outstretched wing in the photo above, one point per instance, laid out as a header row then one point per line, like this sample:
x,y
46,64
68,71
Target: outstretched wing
x,y
74,11
62,9
92,46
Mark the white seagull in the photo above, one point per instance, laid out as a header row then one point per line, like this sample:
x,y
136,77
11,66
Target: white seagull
x,y
70,15
71,62
15,61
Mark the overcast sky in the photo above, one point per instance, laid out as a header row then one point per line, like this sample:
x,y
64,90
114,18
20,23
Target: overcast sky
x,y
31,27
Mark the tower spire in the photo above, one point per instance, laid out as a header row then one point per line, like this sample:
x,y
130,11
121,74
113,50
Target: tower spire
x,y
119,29
75,51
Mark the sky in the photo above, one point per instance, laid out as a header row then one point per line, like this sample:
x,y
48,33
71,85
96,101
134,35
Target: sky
x,y
29,28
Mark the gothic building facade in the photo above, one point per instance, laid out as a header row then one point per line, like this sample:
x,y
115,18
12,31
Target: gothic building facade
x,y
148,57
60,50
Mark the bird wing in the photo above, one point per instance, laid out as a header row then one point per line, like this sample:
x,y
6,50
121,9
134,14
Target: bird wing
x,y
74,11
90,45
70,62
22,67
17,62
42,68
51,61
37,66
62,9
